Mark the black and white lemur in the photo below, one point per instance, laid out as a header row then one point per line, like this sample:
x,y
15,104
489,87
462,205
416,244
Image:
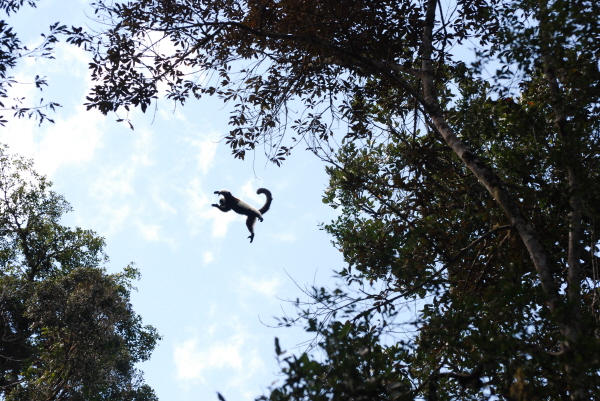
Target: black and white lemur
x,y
229,202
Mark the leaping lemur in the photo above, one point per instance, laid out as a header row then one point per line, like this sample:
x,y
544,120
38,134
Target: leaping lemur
x,y
229,202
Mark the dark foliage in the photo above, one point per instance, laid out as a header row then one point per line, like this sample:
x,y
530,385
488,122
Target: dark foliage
x,y
67,328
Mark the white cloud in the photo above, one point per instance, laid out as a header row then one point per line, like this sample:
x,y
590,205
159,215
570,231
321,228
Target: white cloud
x,y
149,231
192,361
197,360
286,237
118,217
114,181
162,204
222,220
74,138
172,114
154,233
143,146
114,188
267,287
70,141
248,193
207,149
75,57
208,257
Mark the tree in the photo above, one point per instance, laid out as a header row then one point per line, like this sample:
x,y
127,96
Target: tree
x,y
67,328
472,194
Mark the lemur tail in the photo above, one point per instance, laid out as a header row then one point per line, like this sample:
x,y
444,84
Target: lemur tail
x,y
267,204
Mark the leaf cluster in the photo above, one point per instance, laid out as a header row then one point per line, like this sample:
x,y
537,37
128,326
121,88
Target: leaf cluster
x,y
284,64
354,366
11,51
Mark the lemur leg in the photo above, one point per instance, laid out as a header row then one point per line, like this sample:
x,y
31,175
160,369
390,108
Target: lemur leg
x,y
250,224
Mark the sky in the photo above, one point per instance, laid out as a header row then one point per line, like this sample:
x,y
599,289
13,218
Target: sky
x,y
211,294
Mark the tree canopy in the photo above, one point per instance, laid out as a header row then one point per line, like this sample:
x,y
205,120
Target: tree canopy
x,y
465,192
67,327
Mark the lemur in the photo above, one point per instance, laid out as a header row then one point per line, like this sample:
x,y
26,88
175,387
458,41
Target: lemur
x,y
229,202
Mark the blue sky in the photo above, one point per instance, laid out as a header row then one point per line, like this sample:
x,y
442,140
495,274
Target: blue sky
x,y
208,291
